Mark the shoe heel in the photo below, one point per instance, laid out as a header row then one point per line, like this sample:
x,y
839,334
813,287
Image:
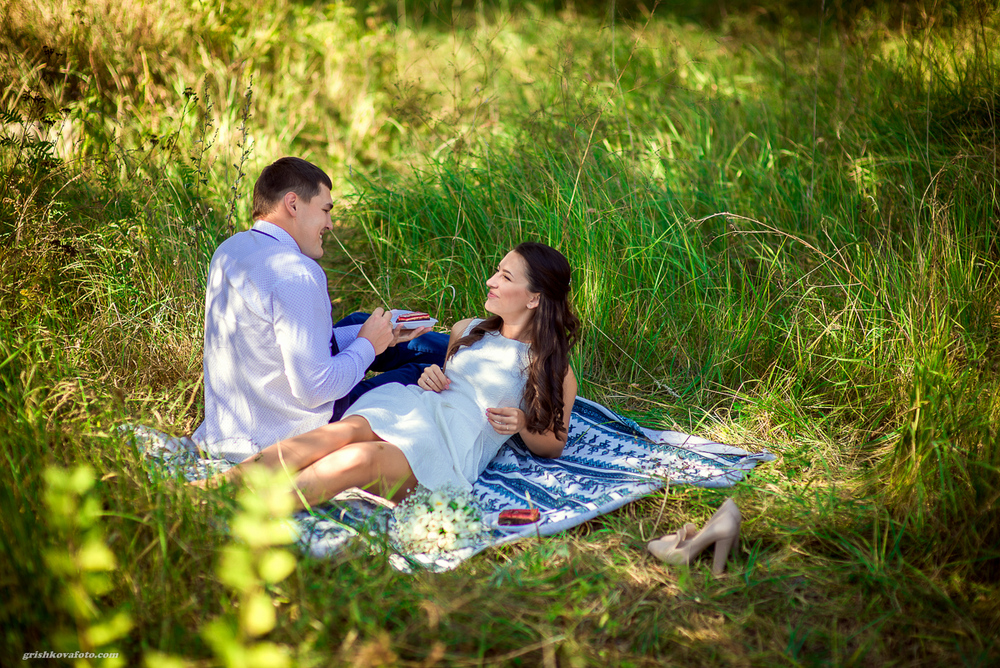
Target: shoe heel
x,y
722,549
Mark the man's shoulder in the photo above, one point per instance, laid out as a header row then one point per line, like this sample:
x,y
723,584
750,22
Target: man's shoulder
x,y
271,263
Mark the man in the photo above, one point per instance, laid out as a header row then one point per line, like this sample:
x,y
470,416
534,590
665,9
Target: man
x,y
274,364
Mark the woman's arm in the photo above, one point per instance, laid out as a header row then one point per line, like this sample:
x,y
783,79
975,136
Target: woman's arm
x,y
512,421
433,377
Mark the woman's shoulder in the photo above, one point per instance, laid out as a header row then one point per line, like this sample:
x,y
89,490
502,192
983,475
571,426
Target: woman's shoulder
x,y
462,327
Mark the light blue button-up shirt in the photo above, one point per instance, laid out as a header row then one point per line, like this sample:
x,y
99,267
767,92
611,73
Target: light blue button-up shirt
x,y
269,374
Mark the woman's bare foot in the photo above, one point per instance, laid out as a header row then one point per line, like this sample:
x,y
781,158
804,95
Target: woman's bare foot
x,y
231,475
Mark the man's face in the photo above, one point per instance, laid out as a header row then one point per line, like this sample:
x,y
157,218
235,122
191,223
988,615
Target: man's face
x,y
312,219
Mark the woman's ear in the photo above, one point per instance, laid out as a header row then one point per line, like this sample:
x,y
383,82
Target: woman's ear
x,y
534,301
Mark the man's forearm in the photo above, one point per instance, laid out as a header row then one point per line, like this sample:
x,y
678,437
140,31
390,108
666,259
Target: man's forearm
x,y
314,383
303,331
346,335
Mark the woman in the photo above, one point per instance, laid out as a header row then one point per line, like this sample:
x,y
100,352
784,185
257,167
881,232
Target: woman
x,y
506,375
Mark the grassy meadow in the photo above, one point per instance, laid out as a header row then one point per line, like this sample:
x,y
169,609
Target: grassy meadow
x,y
783,224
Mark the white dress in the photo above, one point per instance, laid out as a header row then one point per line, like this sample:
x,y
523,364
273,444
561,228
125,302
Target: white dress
x,y
446,436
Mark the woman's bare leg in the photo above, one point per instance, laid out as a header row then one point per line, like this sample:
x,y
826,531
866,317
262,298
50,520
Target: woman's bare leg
x,y
296,453
371,464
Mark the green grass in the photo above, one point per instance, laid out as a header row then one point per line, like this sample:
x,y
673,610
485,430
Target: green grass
x,y
783,229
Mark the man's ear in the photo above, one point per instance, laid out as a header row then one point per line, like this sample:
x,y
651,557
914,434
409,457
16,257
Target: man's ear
x,y
291,203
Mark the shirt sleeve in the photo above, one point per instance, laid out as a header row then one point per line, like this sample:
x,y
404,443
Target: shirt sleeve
x,y
300,307
346,335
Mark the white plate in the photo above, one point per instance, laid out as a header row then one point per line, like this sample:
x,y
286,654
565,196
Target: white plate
x,y
413,324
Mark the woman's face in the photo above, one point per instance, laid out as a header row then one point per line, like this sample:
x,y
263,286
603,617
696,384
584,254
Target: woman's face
x,y
509,295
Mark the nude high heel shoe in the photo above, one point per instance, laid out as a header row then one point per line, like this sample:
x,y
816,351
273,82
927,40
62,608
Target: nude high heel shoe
x,y
668,542
722,530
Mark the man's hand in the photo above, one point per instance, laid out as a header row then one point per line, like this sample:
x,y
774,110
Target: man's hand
x,y
401,335
433,379
378,330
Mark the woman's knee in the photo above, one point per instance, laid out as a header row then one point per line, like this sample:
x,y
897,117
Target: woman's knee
x,y
356,428
348,430
354,459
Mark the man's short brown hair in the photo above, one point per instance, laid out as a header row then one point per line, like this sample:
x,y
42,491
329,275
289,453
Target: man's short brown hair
x,y
283,176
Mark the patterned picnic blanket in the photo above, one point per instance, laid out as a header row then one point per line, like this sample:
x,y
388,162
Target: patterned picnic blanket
x,y
608,461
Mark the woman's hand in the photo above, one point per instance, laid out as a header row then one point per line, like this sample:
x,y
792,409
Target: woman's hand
x,y
403,335
506,421
433,379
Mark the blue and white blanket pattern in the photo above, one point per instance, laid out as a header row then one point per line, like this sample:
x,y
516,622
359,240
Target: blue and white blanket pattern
x,y
608,461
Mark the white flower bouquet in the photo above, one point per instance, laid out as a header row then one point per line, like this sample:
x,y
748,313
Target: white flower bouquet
x,y
440,521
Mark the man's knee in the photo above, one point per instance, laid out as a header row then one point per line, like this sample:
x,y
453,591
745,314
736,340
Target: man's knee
x,y
356,318
431,344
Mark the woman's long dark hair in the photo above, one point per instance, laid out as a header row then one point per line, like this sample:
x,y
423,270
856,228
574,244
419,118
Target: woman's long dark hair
x,y
553,331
